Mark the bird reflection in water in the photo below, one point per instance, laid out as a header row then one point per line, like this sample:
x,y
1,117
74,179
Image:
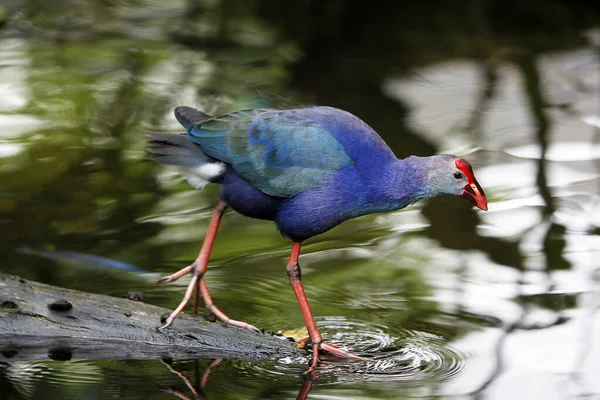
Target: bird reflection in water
x,y
197,389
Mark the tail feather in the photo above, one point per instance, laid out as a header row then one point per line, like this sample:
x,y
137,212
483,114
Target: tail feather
x,y
188,116
175,149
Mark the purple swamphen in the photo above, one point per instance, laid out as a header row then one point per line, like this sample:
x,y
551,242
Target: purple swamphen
x,y
307,169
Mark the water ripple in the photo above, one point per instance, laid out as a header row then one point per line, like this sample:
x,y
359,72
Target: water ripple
x,y
411,359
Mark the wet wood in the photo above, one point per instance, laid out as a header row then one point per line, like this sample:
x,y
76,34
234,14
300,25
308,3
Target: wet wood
x,y
39,321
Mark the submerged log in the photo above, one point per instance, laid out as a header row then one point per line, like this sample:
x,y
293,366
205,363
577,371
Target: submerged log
x,y
39,321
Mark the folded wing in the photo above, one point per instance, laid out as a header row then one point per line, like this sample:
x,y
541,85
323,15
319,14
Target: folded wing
x,y
279,152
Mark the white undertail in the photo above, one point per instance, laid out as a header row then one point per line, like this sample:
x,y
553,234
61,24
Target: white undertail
x,y
200,175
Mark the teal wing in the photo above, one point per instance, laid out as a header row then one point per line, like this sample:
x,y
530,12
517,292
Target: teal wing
x,y
279,152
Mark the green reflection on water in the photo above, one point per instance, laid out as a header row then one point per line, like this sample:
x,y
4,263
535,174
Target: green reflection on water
x,y
88,78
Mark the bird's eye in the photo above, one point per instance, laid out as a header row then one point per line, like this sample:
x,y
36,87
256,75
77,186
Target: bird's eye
x,y
458,175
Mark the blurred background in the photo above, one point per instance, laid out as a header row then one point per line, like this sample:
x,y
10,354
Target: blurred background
x,y
456,303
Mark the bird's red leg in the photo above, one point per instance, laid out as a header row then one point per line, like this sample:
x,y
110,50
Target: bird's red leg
x,y
196,297
295,276
207,370
196,389
306,387
198,268
185,379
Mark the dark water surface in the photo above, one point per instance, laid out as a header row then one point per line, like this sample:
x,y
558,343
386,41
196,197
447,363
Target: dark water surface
x,y
448,302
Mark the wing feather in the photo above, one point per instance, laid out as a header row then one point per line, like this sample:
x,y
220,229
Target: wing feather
x,y
280,152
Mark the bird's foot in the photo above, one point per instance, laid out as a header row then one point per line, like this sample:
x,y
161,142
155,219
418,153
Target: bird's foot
x,y
225,319
198,283
326,347
196,276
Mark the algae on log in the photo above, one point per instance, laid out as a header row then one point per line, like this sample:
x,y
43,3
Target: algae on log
x,y
39,321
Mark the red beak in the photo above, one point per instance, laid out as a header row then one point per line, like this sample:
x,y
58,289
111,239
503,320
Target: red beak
x,y
474,193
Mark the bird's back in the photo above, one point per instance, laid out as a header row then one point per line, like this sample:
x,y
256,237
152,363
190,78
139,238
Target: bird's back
x,y
358,139
284,152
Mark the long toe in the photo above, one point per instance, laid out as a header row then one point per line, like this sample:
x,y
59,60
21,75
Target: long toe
x,y
329,349
339,352
176,275
244,325
332,349
186,298
220,314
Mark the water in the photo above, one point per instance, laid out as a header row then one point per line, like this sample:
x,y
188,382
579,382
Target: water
x,y
444,301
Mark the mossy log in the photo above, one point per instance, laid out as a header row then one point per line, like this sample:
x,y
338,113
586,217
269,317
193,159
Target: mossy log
x,y
39,321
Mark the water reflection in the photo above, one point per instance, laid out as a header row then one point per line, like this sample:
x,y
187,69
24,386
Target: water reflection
x,y
447,302
538,286
197,388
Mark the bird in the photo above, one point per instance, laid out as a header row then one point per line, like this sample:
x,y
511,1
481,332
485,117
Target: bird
x,y
307,169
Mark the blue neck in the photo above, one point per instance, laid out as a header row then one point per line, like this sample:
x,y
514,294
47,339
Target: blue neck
x,y
401,184
384,185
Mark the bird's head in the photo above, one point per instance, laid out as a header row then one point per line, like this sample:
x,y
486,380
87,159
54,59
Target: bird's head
x,y
453,175
471,189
